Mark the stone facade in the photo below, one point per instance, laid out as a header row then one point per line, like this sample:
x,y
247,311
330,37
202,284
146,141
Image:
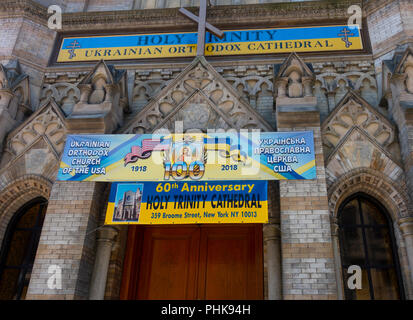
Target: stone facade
x,y
358,104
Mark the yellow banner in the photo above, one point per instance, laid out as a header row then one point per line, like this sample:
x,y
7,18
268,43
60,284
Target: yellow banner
x,y
235,42
188,202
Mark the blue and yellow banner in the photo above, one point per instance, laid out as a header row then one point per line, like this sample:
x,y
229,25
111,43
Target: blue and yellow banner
x,y
189,157
234,42
188,202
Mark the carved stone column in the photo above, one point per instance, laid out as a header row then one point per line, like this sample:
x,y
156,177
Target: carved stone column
x,y
308,89
272,239
85,90
406,226
337,258
281,85
307,248
105,240
74,209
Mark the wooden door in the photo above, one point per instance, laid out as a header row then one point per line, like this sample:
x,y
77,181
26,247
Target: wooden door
x,y
194,262
230,265
169,262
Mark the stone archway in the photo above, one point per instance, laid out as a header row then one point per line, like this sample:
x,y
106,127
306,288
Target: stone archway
x,y
19,192
369,181
197,99
391,195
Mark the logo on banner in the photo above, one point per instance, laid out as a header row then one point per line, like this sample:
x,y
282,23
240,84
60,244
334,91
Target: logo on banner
x,y
128,202
185,156
145,151
190,156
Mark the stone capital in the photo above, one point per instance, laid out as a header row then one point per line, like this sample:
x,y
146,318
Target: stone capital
x,y
307,83
334,226
110,89
85,90
272,232
406,226
107,233
281,85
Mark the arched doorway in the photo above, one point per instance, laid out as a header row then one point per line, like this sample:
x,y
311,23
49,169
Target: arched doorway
x,y
204,262
367,240
19,248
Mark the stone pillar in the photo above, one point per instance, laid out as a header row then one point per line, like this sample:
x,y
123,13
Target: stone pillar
x,y
406,226
337,258
68,234
105,240
401,109
67,242
308,270
272,240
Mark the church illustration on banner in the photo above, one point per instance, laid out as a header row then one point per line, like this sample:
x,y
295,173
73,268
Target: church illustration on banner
x,y
128,204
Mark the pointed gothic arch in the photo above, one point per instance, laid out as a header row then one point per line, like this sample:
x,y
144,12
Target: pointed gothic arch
x,y
367,240
19,247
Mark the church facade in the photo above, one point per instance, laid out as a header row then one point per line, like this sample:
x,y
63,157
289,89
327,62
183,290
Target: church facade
x,y
128,207
355,217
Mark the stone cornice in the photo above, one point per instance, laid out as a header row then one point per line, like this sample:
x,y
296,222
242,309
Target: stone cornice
x,y
23,8
223,16
310,12
215,61
371,6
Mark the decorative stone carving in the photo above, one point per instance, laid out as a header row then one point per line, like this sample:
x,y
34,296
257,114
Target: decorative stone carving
x,y
397,79
358,150
14,98
389,192
335,86
250,87
293,82
144,91
103,94
354,111
409,76
65,94
335,78
403,76
202,99
357,137
253,83
261,13
47,122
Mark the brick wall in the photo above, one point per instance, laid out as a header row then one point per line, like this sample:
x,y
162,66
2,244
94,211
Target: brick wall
x,y
68,241
34,43
389,24
9,31
307,254
385,24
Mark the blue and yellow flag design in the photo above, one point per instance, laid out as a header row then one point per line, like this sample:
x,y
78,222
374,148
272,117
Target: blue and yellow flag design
x,y
189,157
234,42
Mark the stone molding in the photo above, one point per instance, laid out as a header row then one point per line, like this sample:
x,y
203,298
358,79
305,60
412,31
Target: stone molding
x,y
199,97
374,183
48,122
17,193
162,18
23,9
353,111
406,225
